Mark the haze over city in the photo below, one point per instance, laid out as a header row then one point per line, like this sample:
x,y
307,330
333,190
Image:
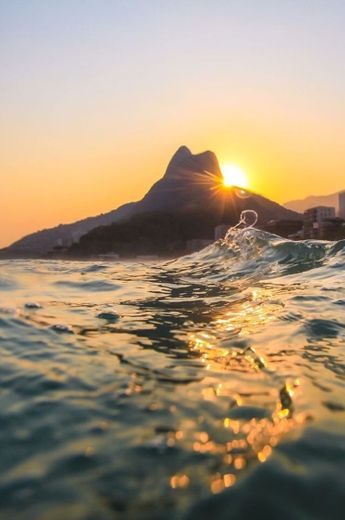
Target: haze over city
x,y
98,95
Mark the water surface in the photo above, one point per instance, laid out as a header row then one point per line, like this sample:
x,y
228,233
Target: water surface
x,y
210,386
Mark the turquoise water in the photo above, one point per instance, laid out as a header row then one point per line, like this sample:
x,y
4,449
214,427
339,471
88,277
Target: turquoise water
x,y
207,387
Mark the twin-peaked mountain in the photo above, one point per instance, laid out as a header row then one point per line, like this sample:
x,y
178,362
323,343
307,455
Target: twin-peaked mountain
x,y
190,188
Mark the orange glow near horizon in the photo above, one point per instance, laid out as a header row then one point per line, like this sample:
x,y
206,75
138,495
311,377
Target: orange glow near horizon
x,y
233,175
74,146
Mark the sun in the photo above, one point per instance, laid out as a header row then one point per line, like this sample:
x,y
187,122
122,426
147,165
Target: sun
x,y
233,175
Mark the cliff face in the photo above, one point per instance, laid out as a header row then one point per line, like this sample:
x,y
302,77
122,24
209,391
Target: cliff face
x,y
192,182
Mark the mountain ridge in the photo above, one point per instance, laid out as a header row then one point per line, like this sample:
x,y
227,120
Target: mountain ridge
x,y
300,205
190,181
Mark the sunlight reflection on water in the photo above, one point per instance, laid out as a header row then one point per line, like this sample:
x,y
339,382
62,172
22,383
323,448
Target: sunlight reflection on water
x,y
139,391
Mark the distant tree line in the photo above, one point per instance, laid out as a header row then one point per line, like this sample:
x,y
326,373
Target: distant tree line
x,y
149,233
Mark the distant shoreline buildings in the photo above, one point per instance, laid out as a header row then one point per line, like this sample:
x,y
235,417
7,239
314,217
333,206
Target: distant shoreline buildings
x,y
315,219
321,221
220,231
342,205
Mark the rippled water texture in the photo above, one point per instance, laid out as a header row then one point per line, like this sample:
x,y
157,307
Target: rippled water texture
x,y
207,387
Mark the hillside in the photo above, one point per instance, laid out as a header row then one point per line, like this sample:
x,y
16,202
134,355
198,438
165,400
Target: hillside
x,y
301,205
191,182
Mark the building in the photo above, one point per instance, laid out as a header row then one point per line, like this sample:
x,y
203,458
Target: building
x,y
332,229
220,231
342,204
313,220
285,228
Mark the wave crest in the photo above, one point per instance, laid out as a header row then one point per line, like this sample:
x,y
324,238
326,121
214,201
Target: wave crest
x,y
250,252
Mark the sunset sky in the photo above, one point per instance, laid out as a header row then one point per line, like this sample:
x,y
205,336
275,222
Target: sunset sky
x,y
96,95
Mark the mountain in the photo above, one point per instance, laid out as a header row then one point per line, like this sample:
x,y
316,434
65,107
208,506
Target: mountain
x,y
40,242
309,202
191,182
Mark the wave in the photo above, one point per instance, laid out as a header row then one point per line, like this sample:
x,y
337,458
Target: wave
x,y
207,386
249,252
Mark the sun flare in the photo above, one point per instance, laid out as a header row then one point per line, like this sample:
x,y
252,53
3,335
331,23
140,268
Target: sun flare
x,y
233,175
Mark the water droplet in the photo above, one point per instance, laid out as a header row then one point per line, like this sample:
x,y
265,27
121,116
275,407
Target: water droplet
x,y
32,305
62,329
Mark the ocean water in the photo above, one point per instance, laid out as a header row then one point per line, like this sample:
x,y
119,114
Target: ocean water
x,y
211,386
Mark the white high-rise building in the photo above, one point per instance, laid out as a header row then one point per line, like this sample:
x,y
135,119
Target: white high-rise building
x,y
342,204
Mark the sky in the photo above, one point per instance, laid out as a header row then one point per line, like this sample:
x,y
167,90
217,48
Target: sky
x,y
96,96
